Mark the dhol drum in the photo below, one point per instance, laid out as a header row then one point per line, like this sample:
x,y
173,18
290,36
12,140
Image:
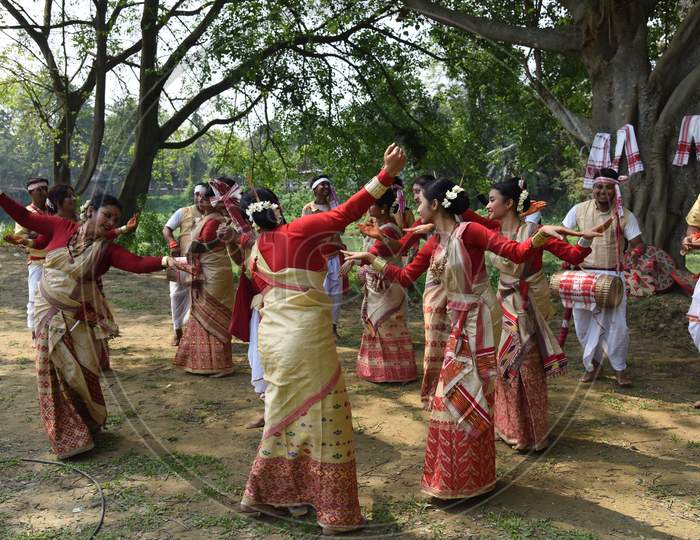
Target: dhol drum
x,y
587,289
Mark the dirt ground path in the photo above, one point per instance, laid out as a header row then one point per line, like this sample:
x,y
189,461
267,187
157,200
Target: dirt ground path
x,y
175,455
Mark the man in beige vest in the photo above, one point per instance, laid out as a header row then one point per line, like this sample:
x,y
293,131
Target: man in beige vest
x,y
604,330
184,219
38,189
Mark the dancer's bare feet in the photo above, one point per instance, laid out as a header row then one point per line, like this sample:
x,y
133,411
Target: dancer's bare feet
x,y
592,375
257,423
696,405
623,379
177,337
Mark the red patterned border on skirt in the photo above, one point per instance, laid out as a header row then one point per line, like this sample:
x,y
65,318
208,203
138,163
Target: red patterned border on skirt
x,y
331,488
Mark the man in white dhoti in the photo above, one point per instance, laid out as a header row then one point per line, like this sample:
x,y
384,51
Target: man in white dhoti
x,y
324,200
38,189
692,241
183,219
604,330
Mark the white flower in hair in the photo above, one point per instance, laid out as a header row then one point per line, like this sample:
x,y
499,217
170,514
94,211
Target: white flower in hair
x,y
260,206
451,195
521,200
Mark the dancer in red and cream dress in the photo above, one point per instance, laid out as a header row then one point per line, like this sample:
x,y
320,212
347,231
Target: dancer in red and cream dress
x,y
460,457
205,347
306,456
70,319
386,350
528,352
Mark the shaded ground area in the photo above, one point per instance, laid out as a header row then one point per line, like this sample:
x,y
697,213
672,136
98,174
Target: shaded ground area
x,y
175,456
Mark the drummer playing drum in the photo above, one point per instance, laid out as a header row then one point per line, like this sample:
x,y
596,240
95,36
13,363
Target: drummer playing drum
x,y
604,330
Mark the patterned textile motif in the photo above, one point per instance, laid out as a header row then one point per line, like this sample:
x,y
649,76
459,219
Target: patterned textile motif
x,y
598,158
311,461
437,331
576,289
690,131
458,464
627,139
386,349
521,405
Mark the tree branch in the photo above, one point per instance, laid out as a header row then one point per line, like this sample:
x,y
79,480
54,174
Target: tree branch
x,y
571,122
685,40
216,122
687,91
568,39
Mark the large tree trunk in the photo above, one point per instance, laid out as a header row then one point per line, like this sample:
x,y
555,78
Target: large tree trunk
x,y
62,146
615,54
148,136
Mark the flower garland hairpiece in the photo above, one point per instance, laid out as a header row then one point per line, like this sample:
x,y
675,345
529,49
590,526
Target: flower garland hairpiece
x,y
451,195
521,200
260,206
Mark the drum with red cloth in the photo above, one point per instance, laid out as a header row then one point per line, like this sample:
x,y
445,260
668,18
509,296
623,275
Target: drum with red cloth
x,y
587,289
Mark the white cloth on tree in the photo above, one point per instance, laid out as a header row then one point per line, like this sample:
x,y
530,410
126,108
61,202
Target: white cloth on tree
x,y
598,158
627,139
603,330
333,285
257,375
179,303
35,270
690,131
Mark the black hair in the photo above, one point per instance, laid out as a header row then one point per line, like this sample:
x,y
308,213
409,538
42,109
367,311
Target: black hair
x,y
510,189
265,220
311,182
423,180
398,181
607,172
99,199
209,192
58,194
386,200
438,189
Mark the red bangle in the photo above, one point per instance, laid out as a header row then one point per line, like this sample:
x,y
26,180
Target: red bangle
x,y
173,244
385,178
639,250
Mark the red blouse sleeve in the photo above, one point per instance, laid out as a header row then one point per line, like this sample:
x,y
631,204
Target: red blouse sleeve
x,y
338,218
381,249
411,239
40,242
488,240
208,232
420,263
565,251
123,259
471,215
40,223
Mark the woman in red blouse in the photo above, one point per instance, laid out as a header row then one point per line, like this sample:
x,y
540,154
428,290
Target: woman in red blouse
x,y
528,351
460,458
71,318
205,346
386,349
306,456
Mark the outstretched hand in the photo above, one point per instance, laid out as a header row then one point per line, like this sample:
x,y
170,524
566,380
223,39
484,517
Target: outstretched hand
x,y
559,231
15,240
423,228
226,233
346,267
370,230
359,256
133,223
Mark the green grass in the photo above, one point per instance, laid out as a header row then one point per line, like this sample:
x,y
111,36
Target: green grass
x,y
517,527
613,402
